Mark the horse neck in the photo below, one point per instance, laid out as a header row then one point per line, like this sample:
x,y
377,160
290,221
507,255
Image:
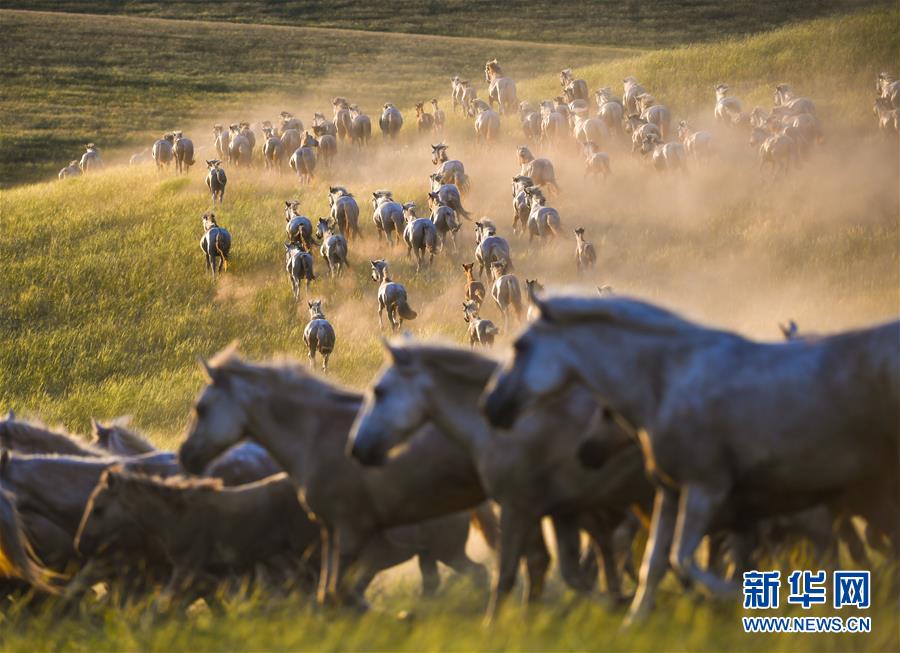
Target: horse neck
x,y
30,439
611,377
61,486
454,407
301,431
151,507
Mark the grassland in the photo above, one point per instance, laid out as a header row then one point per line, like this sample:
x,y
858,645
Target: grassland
x,y
661,23
118,81
104,304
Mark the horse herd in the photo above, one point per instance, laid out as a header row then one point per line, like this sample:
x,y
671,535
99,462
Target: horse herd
x,y
609,416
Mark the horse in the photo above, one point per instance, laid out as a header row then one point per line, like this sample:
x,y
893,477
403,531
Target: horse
x,y
216,180
25,437
501,89
333,248
118,440
344,211
721,441
543,221
451,171
444,219
391,297
216,244
204,531
540,171
506,291
447,194
480,331
299,265
388,215
475,291
307,422
489,248
532,471
298,227
420,235
318,335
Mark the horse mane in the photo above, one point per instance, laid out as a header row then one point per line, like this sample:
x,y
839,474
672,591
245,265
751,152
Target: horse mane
x,y
461,364
284,372
27,437
620,311
166,488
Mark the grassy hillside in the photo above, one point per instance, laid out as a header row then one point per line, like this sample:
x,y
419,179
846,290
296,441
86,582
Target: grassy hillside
x,y
104,303
660,23
69,79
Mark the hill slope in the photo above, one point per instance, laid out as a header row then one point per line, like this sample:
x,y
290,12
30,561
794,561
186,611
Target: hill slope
x,y
661,23
121,81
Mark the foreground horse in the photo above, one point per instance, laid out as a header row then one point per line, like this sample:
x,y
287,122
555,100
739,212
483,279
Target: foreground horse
x,y
304,423
529,472
732,430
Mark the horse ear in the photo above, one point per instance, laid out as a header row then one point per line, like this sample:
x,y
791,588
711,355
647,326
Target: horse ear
x,y
208,371
99,431
397,355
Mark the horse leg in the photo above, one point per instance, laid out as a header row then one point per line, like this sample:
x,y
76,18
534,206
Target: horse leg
x,y
380,314
698,508
431,579
537,562
514,529
568,548
655,563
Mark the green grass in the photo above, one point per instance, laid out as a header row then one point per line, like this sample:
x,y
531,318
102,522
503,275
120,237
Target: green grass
x,y
104,303
660,23
67,79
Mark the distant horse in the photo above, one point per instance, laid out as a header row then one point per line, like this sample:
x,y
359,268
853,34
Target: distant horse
x,y
318,335
216,244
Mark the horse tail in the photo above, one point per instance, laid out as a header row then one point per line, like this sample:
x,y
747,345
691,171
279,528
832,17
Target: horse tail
x,y
17,558
463,182
485,521
221,252
463,212
405,310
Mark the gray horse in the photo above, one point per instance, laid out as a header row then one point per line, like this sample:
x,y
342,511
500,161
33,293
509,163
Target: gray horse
x,y
489,247
163,152
452,171
540,171
501,89
240,147
222,141
480,331
487,127
448,194
184,153
298,227
444,219
342,119
585,254
574,89
303,160
318,335
360,127
531,471
390,122
633,89
725,444
391,297
387,216
71,170
420,236
216,245
610,110
307,425
273,150
299,265
344,211
531,122
521,204
216,180
507,292
543,221
334,246
90,160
